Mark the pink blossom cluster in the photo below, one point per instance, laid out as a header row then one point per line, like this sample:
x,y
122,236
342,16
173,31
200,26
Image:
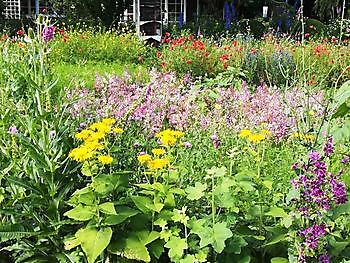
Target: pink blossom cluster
x,y
168,101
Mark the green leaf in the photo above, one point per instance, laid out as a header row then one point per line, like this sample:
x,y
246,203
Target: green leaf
x,y
268,184
156,248
134,247
276,212
83,196
123,213
220,234
143,203
217,172
337,246
276,240
188,259
293,194
107,208
81,213
279,260
176,247
102,184
340,98
196,192
235,244
71,243
94,241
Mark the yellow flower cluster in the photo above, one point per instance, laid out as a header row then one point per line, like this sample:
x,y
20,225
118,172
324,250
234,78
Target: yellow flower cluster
x,y
158,151
156,163
255,137
304,137
169,137
91,138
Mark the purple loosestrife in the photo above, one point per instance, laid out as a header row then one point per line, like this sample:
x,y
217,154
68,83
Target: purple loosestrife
x,y
48,33
320,191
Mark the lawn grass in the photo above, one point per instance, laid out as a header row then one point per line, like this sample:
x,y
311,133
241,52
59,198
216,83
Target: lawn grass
x,y
73,75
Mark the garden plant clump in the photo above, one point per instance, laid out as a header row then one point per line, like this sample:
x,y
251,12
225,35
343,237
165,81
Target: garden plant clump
x,y
204,150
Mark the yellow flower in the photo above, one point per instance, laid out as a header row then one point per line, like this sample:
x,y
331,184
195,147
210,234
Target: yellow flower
x,y
177,134
95,136
296,135
169,137
309,138
109,121
100,127
157,164
245,133
118,130
81,154
256,138
158,151
144,158
105,159
93,145
217,106
83,135
311,113
266,132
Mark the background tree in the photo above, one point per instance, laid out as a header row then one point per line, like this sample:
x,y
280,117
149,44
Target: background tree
x,y
105,12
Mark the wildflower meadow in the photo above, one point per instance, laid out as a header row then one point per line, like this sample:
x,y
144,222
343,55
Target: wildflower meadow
x,y
202,149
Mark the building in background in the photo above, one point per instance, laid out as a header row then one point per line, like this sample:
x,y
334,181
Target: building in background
x,y
151,15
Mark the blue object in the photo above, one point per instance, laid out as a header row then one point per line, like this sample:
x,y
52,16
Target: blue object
x,y
233,11
181,19
228,16
37,7
297,4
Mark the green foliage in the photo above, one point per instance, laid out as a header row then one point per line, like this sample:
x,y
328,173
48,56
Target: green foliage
x,y
106,12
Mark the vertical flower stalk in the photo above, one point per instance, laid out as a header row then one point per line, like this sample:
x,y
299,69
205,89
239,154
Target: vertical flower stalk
x,y
320,191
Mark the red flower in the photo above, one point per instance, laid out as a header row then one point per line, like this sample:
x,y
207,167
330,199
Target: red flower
x,y
307,34
225,65
159,55
167,34
163,64
61,31
334,40
188,62
235,43
224,57
20,32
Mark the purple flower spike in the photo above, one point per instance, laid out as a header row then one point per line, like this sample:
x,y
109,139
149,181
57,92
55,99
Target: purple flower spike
x,y
329,147
48,33
314,156
324,259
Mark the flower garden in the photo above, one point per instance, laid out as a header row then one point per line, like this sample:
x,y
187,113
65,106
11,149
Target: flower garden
x,y
200,150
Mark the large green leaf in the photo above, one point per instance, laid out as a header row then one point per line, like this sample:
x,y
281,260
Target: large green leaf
x,y
176,247
341,99
134,246
276,212
94,241
220,234
279,260
123,213
81,212
196,192
107,208
215,236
